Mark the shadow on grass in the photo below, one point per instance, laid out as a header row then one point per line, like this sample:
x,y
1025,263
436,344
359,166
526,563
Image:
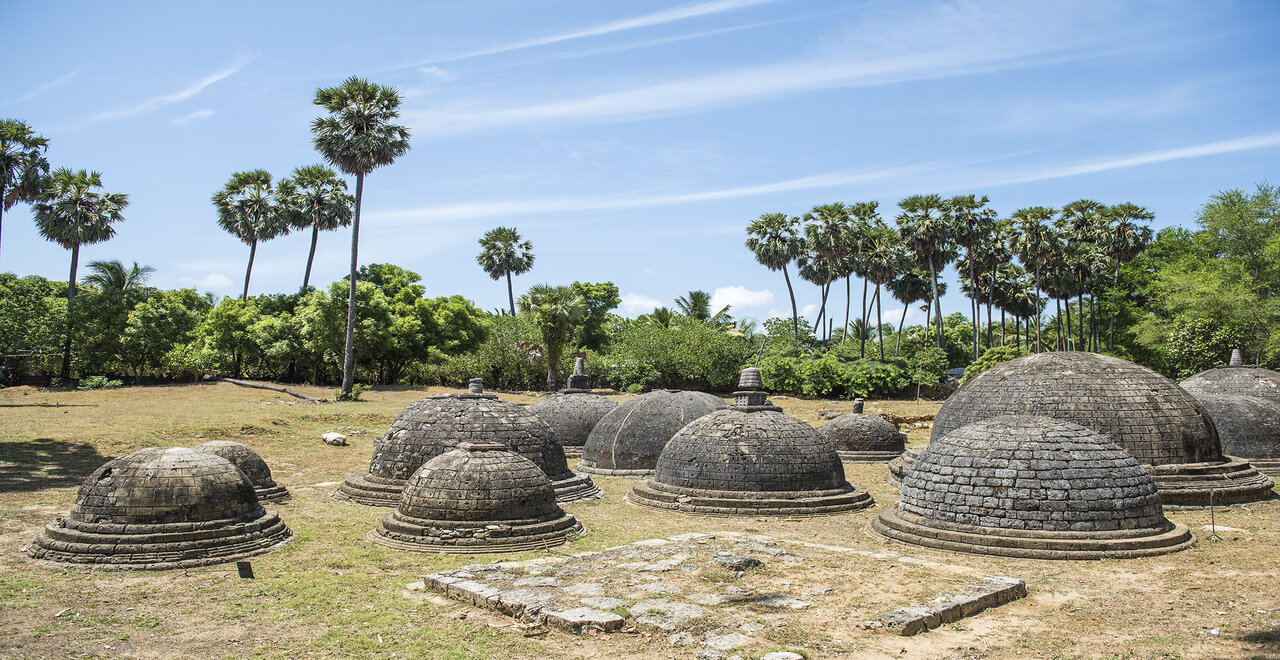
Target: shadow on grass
x,y
45,463
1267,640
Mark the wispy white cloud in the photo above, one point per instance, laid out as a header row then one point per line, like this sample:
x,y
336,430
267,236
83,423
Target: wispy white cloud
x,y
197,116
638,303
42,89
210,282
648,20
436,73
737,297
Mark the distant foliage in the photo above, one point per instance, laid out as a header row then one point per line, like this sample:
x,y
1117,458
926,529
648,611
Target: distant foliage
x,y
990,358
830,376
98,383
694,355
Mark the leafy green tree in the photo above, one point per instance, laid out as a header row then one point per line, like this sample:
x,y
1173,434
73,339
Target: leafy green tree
x,y
357,137
313,197
113,276
925,229
32,319
910,287
928,367
71,213
159,324
555,310
324,315
601,298
22,164
775,241
504,252
396,283
1127,237
226,331
697,305
247,209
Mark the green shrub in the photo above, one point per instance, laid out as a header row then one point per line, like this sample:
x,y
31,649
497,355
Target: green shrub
x,y
693,355
99,383
356,390
990,358
831,376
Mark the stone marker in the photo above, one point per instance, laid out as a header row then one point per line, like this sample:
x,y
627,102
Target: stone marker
x,y
334,439
990,592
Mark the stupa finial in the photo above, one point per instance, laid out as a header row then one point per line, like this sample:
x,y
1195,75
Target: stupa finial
x,y
475,386
1237,359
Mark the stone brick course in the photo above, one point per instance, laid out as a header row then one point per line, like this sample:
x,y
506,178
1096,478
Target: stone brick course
x,y
572,415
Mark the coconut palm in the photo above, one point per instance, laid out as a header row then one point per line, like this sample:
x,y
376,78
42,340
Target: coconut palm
x,y
314,197
113,276
1035,242
71,213
22,164
925,228
555,310
830,254
504,252
775,241
661,317
246,208
357,137
697,305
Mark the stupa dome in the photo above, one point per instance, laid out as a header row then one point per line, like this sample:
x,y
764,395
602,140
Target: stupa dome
x,y
860,438
572,415
162,508
1247,381
1146,413
432,426
1248,426
749,459
626,442
479,497
1024,486
252,465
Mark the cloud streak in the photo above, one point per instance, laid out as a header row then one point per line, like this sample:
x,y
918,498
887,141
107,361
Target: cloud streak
x,y
197,116
42,89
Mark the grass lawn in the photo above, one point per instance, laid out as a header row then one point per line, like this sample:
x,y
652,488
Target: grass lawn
x,y
332,593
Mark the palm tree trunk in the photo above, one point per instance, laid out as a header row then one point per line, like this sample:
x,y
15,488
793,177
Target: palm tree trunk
x,y
862,335
511,295
933,281
1037,306
879,324
818,324
845,335
973,304
795,317
898,343
1002,327
1115,285
1067,339
349,353
253,247
71,295
311,256
1,208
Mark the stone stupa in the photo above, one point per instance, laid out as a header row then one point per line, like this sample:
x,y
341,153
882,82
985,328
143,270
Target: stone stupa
x,y
252,465
627,441
749,459
574,411
1244,402
161,508
862,438
479,497
436,424
1024,486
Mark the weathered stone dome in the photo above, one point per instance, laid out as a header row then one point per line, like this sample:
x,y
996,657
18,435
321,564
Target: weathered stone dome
x,y
252,465
1248,426
572,415
162,508
432,426
627,441
749,459
477,498
860,438
1247,381
1025,486
1146,413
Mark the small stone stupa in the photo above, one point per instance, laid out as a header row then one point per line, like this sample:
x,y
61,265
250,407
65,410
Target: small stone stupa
x,y
1023,486
432,426
1244,402
161,508
627,441
479,497
574,411
252,465
750,459
861,438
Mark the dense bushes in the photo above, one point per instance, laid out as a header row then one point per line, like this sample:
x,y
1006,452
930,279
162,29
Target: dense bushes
x,y
691,354
990,358
831,376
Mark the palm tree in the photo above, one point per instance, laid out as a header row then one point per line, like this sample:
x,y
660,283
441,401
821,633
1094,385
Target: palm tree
x,y
864,220
504,252
884,258
826,233
1125,240
357,137
776,242
22,164
246,209
697,305
661,317
314,197
113,276
71,213
555,309
909,287
1036,242
925,229
974,224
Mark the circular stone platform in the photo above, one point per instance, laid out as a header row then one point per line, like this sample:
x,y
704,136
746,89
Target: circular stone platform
x,y
899,466
478,498
1247,381
252,465
860,438
572,414
161,508
627,441
1146,413
432,426
749,460
1023,486
1248,426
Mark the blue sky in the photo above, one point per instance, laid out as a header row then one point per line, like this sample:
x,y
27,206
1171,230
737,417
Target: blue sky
x,y
634,141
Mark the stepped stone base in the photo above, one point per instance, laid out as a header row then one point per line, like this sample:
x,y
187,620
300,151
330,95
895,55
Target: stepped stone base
x,y
590,468
372,490
273,493
747,503
1267,466
1121,544
899,466
482,537
868,456
576,488
114,546
1231,481
572,451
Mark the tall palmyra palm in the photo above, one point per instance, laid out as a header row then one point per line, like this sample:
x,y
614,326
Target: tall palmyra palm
x,y
503,252
555,310
1035,241
1126,239
246,208
924,227
71,213
22,164
864,221
909,287
357,137
775,241
114,277
314,197
830,251
884,259
974,224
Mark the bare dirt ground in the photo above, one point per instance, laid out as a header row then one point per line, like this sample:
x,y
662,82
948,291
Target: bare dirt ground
x,y
331,593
